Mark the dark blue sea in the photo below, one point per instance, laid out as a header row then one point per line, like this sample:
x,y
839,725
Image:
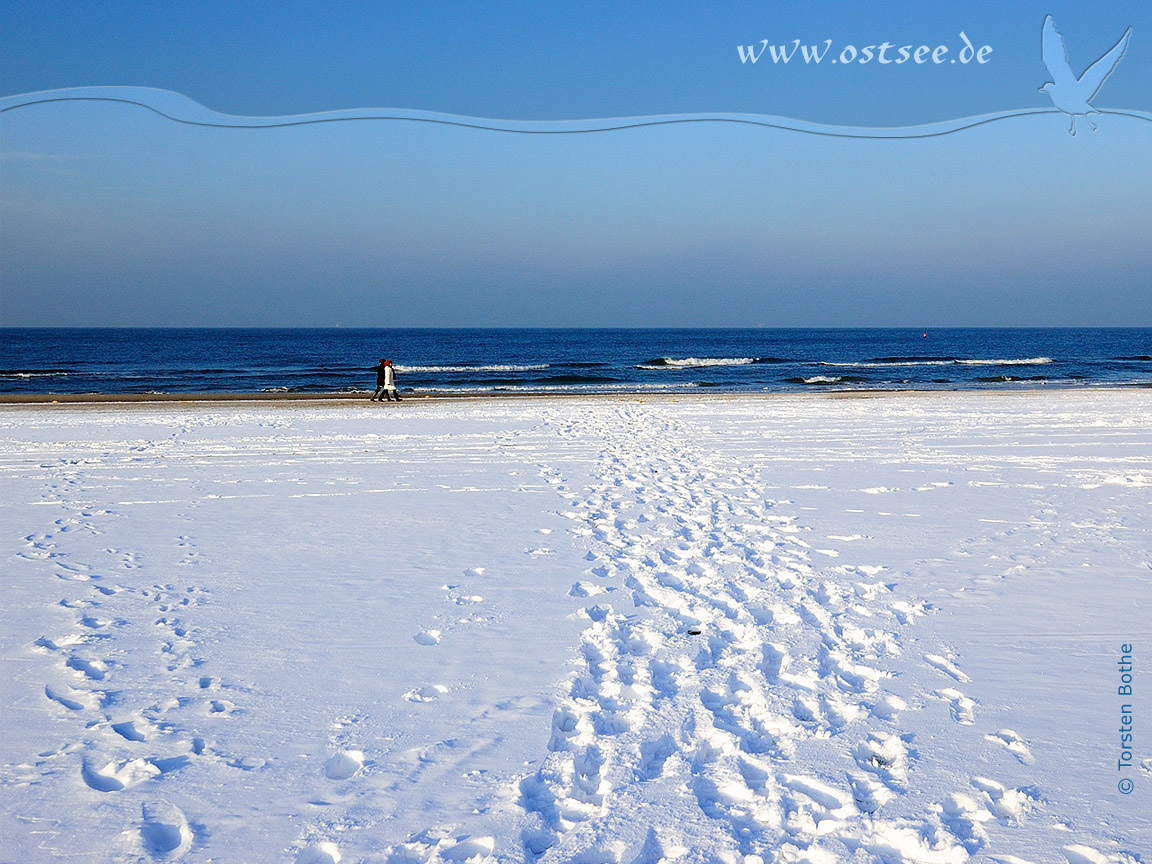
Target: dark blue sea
x,y
578,361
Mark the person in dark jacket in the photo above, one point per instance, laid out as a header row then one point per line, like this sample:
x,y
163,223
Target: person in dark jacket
x,y
379,370
385,383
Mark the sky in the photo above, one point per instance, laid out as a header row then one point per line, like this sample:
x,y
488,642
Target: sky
x,y
113,216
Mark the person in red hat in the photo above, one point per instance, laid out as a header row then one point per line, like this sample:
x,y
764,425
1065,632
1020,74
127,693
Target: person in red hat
x,y
385,382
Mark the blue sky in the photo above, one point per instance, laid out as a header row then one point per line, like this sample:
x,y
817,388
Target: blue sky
x,y
111,216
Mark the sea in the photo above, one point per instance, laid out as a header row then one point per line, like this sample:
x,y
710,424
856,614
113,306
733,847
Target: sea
x,y
463,361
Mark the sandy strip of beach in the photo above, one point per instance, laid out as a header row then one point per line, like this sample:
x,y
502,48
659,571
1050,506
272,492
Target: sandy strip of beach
x,y
818,627
363,395
332,397
278,396
260,396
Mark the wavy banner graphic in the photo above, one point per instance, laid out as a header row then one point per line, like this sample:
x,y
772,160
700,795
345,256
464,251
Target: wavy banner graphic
x,y
181,109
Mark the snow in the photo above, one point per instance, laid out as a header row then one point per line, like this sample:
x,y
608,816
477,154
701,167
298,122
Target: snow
x,y
813,628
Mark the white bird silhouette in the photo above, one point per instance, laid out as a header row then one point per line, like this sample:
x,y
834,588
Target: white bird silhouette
x,y
1070,94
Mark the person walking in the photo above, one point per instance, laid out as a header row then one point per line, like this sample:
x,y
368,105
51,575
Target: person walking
x,y
379,370
385,383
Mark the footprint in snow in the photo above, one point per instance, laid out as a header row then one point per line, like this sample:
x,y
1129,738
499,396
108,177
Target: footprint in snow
x,y
426,694
128,731
885,756
319,853
869,795
73,576
118,775
1014,744
164,832
344,764
586,589
436,844
960,706
427,637
943,664
222,708
831,801
1078,854
888,706
94,670
907,613
962,816
653,756
71,698
1007,805
64,642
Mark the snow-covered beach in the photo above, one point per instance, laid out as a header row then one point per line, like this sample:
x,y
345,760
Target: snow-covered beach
x,y
790,628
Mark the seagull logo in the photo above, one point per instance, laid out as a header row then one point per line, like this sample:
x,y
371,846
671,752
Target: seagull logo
x,y
1070,94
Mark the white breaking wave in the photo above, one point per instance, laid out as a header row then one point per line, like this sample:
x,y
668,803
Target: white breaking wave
x,y
1027,361
693,362
823,379
495,368
874,364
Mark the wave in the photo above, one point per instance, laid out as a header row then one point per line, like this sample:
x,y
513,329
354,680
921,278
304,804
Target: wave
x,y
826,379
34,373
697,362
575,379
548,380
1004,379
1141,358
873,364
933,361
1027,361
494,368
913,358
